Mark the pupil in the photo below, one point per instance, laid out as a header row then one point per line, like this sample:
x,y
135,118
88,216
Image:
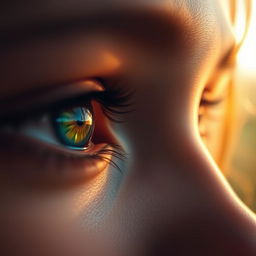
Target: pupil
x,y
79,123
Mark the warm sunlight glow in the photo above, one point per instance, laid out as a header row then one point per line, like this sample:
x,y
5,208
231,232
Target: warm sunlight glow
x,y
247,54
241,159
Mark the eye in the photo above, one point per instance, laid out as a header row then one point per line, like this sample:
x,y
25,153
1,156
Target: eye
x,y
67,129
215,111
74,126
64,136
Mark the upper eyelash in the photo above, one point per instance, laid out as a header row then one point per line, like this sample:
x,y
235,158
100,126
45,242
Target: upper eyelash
x,y
206,102
114,102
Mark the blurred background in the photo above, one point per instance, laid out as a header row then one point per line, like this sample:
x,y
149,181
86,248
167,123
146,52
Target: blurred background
x,y
240,163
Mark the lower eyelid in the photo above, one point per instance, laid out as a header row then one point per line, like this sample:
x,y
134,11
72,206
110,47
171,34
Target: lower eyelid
x,y
40,162
40,165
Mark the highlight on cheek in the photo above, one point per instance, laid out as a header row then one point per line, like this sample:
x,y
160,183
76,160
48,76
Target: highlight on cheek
x,y
74,127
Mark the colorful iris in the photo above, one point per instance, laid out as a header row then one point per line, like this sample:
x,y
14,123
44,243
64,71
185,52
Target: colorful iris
x,y
74,127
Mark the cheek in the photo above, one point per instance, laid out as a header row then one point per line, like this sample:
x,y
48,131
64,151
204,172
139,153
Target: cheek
x,y
43,220
172,183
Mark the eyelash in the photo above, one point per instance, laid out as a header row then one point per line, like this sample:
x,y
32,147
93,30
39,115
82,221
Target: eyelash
x,y
114,103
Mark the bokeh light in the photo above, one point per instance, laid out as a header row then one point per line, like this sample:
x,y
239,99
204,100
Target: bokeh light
x,y
241,163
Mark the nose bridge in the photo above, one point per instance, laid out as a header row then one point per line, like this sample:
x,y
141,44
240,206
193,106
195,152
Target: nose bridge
x,y
180,205
174,195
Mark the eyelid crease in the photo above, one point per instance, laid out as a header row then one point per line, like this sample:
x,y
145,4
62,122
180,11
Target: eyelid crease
x,y
52,92
113,98
42,100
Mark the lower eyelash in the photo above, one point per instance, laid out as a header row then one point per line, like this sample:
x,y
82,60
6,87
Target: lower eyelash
x,y
116,151
109,153
114,102
40,165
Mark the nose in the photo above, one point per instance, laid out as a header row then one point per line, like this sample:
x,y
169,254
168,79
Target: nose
x,y
174,199
180,204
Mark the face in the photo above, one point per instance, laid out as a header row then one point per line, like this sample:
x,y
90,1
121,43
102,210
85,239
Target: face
x,y
105,114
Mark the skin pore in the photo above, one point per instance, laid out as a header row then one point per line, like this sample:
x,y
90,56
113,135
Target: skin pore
x,y
168,196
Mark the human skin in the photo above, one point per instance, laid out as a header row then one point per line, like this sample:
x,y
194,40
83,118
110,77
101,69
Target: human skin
x,y
169,198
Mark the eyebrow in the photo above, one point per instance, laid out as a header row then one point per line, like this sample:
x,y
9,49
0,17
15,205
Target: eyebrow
x,y
151,26
149,29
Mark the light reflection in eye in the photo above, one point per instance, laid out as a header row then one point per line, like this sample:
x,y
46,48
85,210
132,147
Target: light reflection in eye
x,y
74,127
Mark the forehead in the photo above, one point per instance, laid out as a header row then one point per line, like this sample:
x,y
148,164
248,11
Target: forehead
x,y
23,12
155,23
19,16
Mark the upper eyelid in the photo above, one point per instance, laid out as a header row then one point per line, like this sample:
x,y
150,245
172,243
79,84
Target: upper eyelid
x,y
114,98
28,102
55,91
51,140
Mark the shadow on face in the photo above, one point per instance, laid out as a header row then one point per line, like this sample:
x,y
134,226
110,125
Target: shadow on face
x,y
106,113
